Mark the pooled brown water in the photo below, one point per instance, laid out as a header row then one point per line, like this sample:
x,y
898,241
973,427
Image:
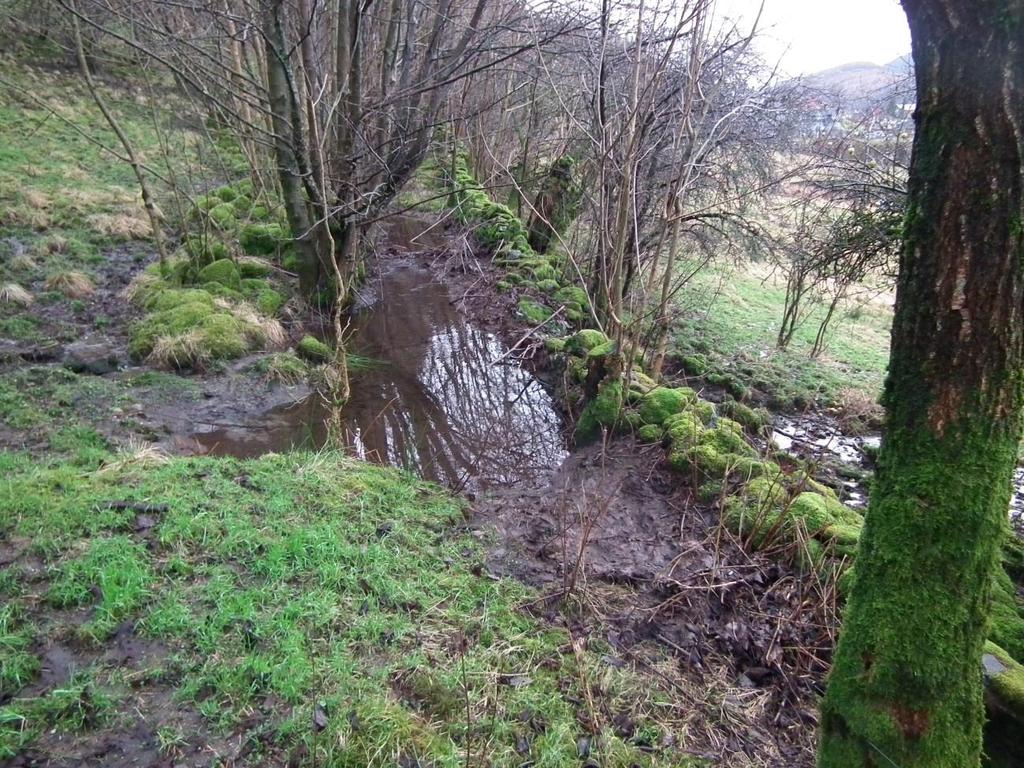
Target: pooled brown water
x,y
440,397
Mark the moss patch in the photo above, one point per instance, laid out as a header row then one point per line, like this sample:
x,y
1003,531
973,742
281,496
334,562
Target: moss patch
x,y
662,402
314,350
223,272
603,411
190,326
1008,683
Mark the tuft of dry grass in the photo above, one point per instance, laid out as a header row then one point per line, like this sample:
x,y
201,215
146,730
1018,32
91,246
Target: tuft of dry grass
x,y
22,216
259,329
135,453
12,293
138,286
327,379
285,368
74,285
124,226
87,200
858,411
183,350
55,244
36,199
23,263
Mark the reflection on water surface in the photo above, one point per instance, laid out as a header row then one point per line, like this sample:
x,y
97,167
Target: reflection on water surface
x,y
441,399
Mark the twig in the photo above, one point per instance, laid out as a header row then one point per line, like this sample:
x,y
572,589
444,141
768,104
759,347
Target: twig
x,y
137,506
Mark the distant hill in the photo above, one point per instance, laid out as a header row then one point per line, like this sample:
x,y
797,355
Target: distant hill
x,y
859,83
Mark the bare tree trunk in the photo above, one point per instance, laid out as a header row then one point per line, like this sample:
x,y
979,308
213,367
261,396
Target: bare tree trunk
x,y
289,175
662,320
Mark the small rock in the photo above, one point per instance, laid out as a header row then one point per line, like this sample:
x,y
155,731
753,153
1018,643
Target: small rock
x,y
758,674
583,746
320,719
991,666
144,523
745,682
97,358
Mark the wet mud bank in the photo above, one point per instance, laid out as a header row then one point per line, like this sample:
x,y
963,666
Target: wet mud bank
x,y
650,571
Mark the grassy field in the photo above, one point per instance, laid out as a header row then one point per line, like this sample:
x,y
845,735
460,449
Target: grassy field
x,y
306,607
63,196
730,322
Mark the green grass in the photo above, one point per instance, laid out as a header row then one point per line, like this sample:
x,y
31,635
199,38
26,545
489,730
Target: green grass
x,y
309,581
63,407
61,195
731,320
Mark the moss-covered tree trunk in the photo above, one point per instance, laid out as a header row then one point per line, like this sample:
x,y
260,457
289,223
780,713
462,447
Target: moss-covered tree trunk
x,y
905,688
556,205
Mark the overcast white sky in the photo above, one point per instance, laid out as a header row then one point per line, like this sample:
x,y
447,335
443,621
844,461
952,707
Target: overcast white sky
x,y
812,35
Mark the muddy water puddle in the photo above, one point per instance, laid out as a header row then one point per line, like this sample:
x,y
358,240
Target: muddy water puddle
x,y
439,397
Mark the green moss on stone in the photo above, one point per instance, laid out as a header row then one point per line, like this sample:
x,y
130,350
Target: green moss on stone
x,y
745,468
191,334
253,269
709,492
582,342
545,273
223,337
226,193
603,350
260,239
314,350
1006,616
695,365
223,272
727,437
1005,679
268,301
683,430
533,312
577,368
169,298
650,433
602,411
750,418
572,295
662,402
819,513
169,322
641,381
705,410
223,216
